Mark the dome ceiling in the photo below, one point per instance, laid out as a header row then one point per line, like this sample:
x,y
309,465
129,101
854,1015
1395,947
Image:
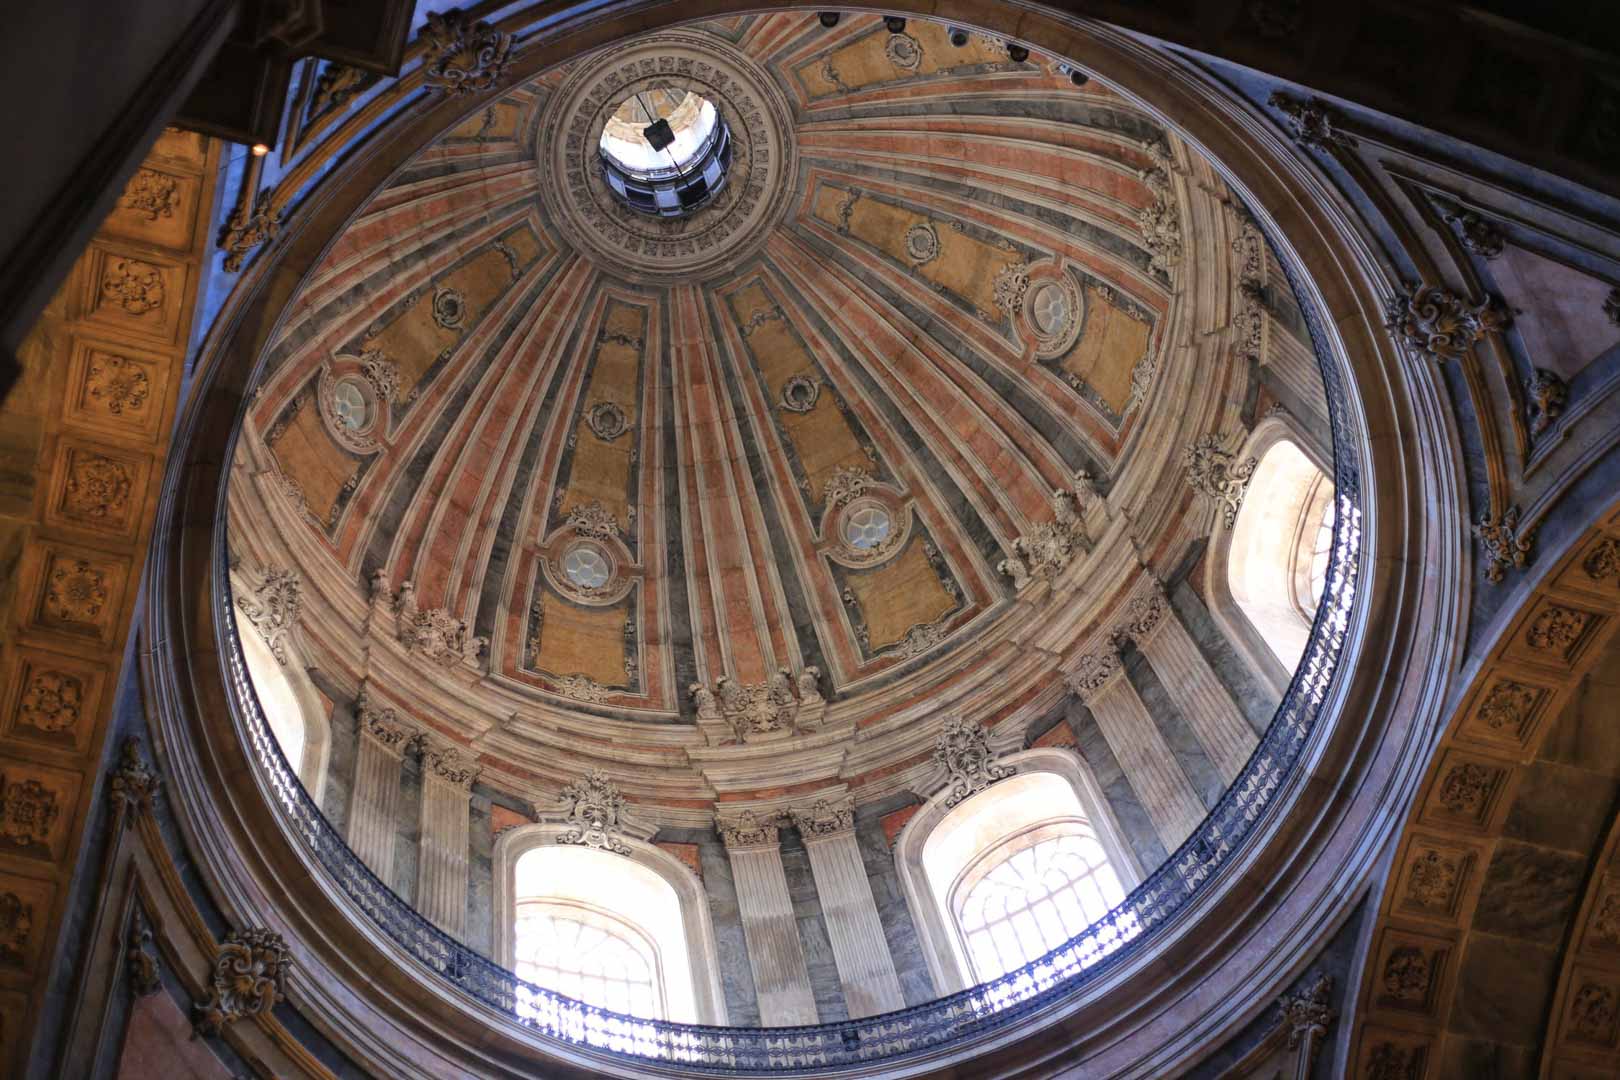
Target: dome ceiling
x,y
781,451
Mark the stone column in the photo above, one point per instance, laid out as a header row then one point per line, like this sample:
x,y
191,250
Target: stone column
x,y
865,968
774,953
1191,683
441,882
374,803
1150,765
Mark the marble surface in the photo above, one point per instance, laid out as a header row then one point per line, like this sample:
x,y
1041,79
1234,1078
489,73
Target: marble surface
x,y
407,850
916,985
480,934
1177,731
819,961
1122,799
1254,698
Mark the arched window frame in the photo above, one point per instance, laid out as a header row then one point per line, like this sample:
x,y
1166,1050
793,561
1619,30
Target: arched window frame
x,y
938,932
703,956
1224,608
312,709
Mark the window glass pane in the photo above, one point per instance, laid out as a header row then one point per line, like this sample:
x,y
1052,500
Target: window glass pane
x,y
601,961
1034,901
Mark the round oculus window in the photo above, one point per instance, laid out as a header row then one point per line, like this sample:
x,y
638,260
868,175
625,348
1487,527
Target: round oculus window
x,y
349,405
585,567
665,151
866,528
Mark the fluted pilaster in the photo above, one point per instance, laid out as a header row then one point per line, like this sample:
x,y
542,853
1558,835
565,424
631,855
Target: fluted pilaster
x,y
441,884
1191,683
374,804
781,979
865,968
1149,764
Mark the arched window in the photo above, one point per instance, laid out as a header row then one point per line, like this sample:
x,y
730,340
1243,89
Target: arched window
x,y
1025,898
630,933
1013,872
292,706
1277,561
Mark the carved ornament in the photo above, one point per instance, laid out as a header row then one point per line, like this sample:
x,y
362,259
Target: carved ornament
x,y
383,725
272,607
846,483
139,963
1009,286
1160,222
134,286
963,749
381,372
97,487
1407,973
800,393
16,929
922,243
754,710
594,808
748,829
1312,123
249,977
1434,322
28,811
606,420
825,818
582,688
52,700
1603,561
449,307
1043,553
1432,884
593,519
1478,235
1216,473
117,382
449,765
76,591
919,639
435,634
134,785
1507,706
151,194
249,227
1308,1015
1557,628
1504,543
1093,672
1548,395
1593,1013
1143,615
1465,789
463,56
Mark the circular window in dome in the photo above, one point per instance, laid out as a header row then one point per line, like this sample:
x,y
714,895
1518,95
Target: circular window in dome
x,y
586,567
665,151
349,406
867,528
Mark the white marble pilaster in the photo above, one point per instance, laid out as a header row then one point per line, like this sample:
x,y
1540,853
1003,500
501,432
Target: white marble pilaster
x,y
775,954
1192,684
441,882
1149,764
865,968
373,822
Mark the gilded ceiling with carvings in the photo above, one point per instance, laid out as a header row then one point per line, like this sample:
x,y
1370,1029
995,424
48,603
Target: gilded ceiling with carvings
x,y
808,451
